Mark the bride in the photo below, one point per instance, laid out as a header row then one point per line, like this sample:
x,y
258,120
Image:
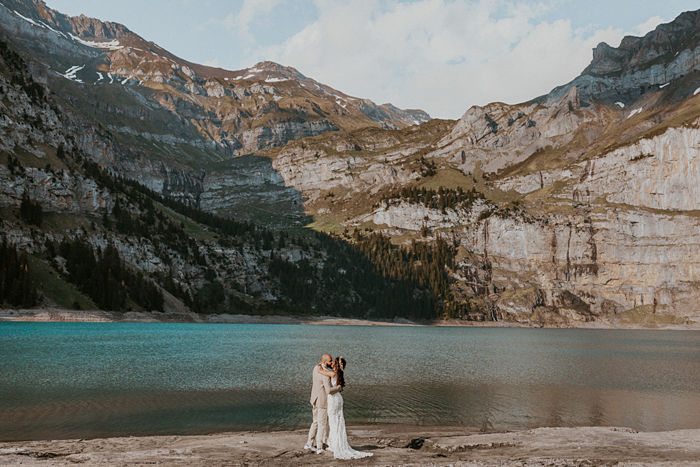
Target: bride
x,y
337,436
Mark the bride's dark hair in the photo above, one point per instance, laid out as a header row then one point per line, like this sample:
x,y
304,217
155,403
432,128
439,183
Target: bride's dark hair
x,y
340,363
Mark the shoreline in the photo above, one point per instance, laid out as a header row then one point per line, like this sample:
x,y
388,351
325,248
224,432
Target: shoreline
x,y
55,315
390,445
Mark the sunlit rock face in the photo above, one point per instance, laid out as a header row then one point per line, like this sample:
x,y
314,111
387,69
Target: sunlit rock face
x,y
607,180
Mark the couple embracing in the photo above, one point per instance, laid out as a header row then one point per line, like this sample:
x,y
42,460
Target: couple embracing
x,y
328,427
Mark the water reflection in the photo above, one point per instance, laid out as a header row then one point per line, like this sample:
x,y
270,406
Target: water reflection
x,y
84,380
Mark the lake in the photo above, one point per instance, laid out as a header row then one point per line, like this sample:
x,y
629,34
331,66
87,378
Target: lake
x,y
82,380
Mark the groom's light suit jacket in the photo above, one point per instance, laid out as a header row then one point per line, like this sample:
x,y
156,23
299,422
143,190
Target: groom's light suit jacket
x,y
320,389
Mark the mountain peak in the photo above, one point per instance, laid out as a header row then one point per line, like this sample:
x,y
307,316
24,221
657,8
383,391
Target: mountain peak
x,y
232,111
637,53
81,26
271,71
641,64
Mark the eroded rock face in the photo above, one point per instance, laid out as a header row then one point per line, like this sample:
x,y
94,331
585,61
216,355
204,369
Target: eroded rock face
x,y
55,190
278,134
622,232
500,135
636,53
407,216
662,172
250,189
611,261
313,172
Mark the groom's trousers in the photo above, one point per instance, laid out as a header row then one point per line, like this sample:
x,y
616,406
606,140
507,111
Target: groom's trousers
x,y
318,433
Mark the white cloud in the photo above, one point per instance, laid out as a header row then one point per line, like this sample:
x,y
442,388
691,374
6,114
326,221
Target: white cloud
x,y
648,25
439,55
240,23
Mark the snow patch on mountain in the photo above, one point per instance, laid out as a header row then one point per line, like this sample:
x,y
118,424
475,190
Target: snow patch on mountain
x,y
29,20
70,73
248,76
108,45
52,29
635,112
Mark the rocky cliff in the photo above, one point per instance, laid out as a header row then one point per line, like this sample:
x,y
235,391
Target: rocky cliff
x,y
640,64
590,209
88,236
165,121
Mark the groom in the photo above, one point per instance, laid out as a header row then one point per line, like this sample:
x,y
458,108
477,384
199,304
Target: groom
x,y
318,433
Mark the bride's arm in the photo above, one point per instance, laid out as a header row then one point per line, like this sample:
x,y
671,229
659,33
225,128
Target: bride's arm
x,y
325,372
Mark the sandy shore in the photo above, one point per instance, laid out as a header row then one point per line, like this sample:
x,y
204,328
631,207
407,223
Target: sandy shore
x,y
391,445
100,316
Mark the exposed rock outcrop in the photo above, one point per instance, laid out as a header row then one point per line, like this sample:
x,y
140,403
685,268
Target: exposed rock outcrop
x,y
639,64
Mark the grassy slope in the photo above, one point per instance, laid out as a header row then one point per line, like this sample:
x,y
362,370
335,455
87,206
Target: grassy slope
x,y
55,289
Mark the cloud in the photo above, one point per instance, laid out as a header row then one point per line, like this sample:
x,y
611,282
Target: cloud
x,y
240,23
648,25
439,55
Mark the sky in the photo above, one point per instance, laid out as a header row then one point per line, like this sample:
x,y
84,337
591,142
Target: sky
x,y
442,56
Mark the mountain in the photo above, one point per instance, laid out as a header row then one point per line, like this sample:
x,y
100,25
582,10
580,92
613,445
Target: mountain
x,y
580,205
172,116
236,111
574,207
640,64
77,234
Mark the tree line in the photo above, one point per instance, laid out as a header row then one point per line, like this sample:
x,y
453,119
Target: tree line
x,y
441,199
368,277
102,275
16,285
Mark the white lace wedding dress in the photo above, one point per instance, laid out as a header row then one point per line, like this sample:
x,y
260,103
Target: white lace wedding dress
x,y
337,436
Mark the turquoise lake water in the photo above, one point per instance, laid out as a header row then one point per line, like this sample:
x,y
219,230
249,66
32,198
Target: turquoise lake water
x,y
81,380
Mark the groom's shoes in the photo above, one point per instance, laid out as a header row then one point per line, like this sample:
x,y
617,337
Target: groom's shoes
x,y
313,449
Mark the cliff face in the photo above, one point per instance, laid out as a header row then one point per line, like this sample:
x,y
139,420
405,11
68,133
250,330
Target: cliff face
x,y
86,232
591,200
639,64
595,239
